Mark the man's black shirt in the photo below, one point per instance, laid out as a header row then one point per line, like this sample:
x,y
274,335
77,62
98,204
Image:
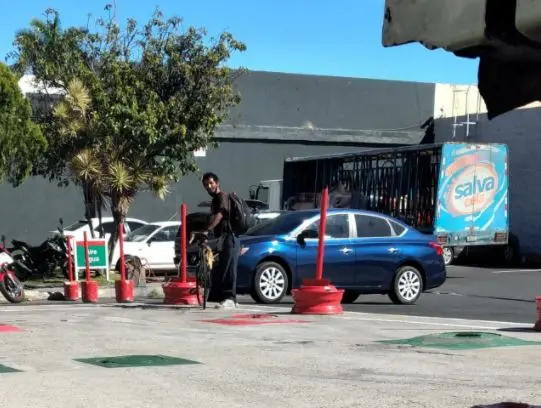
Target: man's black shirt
x,y
220,204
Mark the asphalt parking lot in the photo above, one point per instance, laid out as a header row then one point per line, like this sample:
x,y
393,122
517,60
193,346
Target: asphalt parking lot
x,y
495,294
46,353
76,355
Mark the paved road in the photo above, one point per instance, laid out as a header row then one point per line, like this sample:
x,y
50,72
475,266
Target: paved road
x,y
469,293
321,361
505,295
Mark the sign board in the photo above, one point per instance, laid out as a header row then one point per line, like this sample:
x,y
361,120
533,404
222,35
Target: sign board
x,y
472,198
97,256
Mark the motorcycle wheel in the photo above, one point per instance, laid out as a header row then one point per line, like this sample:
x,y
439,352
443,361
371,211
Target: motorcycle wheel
x,y
21,271
12,288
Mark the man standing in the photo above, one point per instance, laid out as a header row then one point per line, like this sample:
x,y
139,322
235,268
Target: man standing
x,y
228,244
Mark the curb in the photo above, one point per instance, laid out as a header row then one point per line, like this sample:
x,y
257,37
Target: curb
x,y
153,290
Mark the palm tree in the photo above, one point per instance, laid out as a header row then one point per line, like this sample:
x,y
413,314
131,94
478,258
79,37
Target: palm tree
x,y
72,122
101,165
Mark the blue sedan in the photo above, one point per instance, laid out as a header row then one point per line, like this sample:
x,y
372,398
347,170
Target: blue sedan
x,y
365,253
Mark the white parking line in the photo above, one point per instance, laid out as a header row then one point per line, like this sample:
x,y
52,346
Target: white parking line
x,y
442,322
419,320
362,316
517,271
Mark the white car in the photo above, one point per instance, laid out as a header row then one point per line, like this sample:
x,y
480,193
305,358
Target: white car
x,y
77,229
153,244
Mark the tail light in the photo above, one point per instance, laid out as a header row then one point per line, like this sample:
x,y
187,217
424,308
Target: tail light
x,y
442,239
437,247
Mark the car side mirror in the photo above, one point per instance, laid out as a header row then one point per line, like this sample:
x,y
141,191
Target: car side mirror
x,y
61,221
150,241
306,234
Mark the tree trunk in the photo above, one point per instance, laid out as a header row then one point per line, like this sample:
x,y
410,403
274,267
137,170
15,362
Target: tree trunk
x,y
120,210
100,218
90,209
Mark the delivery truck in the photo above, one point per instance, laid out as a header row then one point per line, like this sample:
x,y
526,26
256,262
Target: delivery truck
x,y
456,191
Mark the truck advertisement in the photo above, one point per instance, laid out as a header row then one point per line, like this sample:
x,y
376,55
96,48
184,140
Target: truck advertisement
x,y
472,197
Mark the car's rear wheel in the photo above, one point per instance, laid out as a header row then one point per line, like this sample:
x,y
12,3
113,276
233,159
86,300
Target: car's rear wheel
x,y
270,283
407,286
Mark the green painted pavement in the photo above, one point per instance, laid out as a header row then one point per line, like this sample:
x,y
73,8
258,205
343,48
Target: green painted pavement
x,y
462,341
6,369
136,361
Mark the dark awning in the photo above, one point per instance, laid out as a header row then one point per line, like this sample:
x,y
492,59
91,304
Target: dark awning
x,y
504,34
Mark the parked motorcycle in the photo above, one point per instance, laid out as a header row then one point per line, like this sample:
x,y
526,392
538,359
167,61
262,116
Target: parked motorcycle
x,y
41,260
10,286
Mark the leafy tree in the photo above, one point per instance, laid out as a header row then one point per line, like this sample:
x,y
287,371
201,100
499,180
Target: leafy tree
x,y
154,94
21,140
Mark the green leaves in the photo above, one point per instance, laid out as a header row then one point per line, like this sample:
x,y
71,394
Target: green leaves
x,y
138,101
21,140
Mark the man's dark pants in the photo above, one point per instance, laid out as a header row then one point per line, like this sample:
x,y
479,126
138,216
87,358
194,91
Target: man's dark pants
x,y
224,282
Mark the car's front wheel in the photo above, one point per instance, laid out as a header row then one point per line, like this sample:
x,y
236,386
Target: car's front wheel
x,y
270,283
407,286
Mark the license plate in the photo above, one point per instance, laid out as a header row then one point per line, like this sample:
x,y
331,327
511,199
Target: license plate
x,y
471,238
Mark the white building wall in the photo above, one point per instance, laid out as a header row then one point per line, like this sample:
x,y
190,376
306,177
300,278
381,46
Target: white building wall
x,y
452,100
460,115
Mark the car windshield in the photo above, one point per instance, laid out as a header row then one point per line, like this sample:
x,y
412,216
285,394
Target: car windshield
x,y
141,233
282,224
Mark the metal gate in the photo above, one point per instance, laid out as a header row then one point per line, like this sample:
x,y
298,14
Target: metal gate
x,y
401,182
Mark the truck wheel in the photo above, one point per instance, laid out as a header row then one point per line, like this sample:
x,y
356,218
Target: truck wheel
x,y
510,254
448,255
407,286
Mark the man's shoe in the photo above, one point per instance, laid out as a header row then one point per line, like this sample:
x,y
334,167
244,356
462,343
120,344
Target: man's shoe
x,y
227,304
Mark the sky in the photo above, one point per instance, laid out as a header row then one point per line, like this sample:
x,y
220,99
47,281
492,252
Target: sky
x,y
321,37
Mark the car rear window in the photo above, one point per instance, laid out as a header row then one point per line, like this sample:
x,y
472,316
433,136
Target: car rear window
x,y
398,229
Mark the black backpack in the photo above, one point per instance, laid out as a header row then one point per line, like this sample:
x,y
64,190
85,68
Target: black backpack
x,y
240,215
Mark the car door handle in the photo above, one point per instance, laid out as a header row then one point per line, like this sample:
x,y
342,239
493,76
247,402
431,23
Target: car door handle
x,y
346,251
393,250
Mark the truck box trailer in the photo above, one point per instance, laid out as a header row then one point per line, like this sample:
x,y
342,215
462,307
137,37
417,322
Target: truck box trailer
x,y
455,191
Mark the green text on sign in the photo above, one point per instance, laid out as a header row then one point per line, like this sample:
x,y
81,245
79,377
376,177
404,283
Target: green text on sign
x,y
97,254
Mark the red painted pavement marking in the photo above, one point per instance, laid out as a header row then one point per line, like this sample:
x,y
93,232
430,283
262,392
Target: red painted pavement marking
x,y
252,320
6,328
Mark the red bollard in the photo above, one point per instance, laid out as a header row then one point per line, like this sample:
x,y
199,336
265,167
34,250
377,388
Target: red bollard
x,y
89,287
123,287
181,290
318,296
71,288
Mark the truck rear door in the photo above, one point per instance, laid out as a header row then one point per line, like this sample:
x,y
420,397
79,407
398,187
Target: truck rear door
x,y
472,195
